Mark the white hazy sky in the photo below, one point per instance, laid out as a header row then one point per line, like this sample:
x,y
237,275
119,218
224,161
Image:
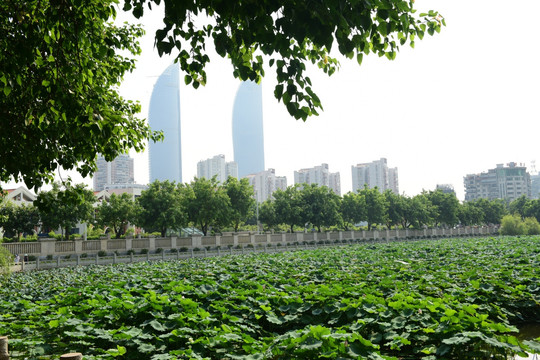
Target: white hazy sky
x,y
461,102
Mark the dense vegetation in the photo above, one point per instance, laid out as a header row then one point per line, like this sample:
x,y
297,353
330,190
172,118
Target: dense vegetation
x,y
446,299
166,207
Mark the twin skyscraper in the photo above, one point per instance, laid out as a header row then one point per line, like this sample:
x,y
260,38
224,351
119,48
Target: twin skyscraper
x,y
165,158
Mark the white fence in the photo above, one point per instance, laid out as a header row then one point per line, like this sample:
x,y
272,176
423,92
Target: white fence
x,y
45,247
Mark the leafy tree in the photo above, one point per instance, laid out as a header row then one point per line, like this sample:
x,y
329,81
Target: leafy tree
x,y
288,207
117,213
18,220
396,207
207,204
419,212
267,214
519,206
375,205
241,196
60,66
64,208
289,34
321,206
470,214
162,207
493,210
533,209
446,207
352,209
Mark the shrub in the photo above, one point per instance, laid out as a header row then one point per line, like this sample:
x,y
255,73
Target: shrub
x,y
130,252
102,253
159,250
31,258
174,251
49,257
532,226
144,251
512,225
84,255
183,249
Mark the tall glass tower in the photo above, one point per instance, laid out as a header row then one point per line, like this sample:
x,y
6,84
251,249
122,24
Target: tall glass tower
x,y
166,157
248,137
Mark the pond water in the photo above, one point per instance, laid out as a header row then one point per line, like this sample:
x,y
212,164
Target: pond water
x,y
529,332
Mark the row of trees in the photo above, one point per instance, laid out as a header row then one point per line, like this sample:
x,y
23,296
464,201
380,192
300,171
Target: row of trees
x,y
163,206
320,207
208,205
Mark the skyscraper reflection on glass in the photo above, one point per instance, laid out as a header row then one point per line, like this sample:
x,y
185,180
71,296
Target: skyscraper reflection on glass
x,y
165,158
248,137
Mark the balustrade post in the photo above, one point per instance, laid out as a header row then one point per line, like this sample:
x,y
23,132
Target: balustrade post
x,y
4,355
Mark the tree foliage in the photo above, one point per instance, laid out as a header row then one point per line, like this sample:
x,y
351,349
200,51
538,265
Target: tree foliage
x,y
162,207
352,209
321,206
117,213
64,208
208,204
6,260
17,220
289,208
60,65
241,197
375,204
288,34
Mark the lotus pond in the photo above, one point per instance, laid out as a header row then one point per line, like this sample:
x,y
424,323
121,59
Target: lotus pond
x,y
437,299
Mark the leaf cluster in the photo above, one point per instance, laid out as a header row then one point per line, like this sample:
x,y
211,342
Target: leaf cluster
x,y
285,35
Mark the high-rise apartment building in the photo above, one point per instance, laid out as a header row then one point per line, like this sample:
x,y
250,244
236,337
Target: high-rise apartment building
x,y
507,183
165,158
265,183
247,129
535,186
319,175
218,167
375,174
118,171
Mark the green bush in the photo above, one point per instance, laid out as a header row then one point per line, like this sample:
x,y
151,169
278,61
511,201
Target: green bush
x,y
159,250
144,251
102,253
49,257
512,225
532,225
130,252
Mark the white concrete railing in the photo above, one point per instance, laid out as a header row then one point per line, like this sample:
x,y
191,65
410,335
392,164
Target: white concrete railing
x,y
45,247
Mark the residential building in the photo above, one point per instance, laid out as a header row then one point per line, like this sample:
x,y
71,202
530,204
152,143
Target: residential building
x,y
20,196
218,167
265,183
535,186
319,175
247,129
375,174
446,188
507,183
165,157
134,190
118,171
